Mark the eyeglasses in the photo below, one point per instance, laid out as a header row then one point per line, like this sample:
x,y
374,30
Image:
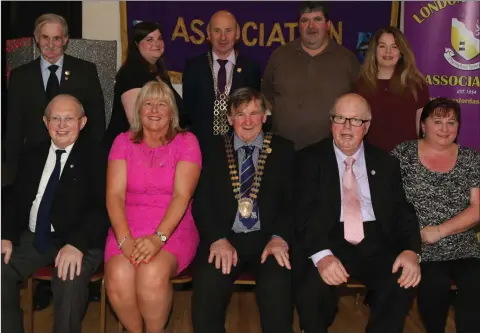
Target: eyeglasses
x,y
69,121
353,121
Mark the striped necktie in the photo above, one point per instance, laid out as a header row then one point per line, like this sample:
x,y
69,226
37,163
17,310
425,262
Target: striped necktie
x,y
247,175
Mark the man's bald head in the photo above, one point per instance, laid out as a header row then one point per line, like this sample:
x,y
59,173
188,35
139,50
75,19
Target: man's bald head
x,y
65,99
223,31
353,101
351,117
64,119
223,15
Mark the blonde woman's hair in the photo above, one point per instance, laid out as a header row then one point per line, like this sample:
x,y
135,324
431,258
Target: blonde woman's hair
x,y
50,18
155,90
406,74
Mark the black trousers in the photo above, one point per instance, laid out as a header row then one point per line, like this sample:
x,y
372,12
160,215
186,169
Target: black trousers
x,y
434,295
369,262
70,297
212,289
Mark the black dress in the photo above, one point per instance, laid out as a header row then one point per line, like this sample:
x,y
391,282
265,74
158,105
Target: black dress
x,y
131,75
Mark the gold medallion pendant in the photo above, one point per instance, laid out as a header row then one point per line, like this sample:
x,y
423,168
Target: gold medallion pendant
x,y
245,204
245,207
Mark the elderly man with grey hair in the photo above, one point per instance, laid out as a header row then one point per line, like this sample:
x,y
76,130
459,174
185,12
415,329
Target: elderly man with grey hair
x,y
32,86
248,228
56,216
353,221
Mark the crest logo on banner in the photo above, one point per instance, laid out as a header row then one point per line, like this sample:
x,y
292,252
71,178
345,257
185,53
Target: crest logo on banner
x,y
466,44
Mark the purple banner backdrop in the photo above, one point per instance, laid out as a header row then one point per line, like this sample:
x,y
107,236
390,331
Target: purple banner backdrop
x,y
445,38
265,25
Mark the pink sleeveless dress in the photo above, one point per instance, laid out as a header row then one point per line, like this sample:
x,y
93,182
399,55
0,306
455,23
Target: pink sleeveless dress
x,y
150,180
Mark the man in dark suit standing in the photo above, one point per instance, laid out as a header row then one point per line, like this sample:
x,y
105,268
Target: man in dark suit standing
x,y
33,85
209,78
353,220
57,216
249,227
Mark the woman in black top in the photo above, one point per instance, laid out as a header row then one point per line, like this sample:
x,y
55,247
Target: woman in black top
x,y
144,64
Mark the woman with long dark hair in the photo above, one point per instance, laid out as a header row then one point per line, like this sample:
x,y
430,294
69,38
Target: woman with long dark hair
x,y
144,63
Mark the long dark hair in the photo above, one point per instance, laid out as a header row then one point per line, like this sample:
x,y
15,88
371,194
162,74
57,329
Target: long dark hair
x,y
139,32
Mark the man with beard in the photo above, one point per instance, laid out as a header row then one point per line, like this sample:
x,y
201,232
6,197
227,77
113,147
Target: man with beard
x,y
304,77
33,85
209,78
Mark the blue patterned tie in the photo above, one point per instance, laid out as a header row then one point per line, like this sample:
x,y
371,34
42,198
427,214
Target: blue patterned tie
x,y
247,175
43,235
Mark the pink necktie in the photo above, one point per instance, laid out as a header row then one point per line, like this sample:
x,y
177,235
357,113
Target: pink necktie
x,y
352,214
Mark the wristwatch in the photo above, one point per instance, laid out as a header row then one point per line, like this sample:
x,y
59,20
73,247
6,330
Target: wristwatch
x,y
162,236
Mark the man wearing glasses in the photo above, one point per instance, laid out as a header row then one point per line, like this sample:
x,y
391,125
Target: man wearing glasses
x,y
56,216
33,85
353,221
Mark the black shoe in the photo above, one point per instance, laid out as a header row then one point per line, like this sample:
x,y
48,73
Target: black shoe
x,y
43,296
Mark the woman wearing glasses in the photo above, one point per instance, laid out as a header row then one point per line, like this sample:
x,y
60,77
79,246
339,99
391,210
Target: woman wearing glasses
x,y
442,181
394,88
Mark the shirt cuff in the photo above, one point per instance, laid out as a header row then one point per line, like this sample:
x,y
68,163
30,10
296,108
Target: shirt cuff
x,y
319,256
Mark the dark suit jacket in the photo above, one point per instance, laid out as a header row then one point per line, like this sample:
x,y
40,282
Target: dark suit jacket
x,y
199,95
318,198
27,102
79,214
214,206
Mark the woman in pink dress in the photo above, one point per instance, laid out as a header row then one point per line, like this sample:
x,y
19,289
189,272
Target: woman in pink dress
x,y
152,173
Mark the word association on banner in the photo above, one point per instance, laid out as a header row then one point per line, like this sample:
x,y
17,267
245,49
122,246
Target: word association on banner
x,y
464,48
252,33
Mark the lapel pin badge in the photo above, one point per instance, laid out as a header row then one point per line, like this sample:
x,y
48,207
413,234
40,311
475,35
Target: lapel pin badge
x,y
71,166
373,172
239,69
67,73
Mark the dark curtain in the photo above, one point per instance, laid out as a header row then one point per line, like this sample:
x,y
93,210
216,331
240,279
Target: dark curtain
x,y
18,20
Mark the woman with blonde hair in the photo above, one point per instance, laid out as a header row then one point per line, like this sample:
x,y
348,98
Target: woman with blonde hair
x,y
152,174
393,86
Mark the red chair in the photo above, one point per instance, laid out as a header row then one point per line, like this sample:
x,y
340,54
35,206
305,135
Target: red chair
x,y
46,274
246,278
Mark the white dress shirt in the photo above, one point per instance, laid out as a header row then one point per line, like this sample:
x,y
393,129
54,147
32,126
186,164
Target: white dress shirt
x,y
47,171
228,67
360,170
46,72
